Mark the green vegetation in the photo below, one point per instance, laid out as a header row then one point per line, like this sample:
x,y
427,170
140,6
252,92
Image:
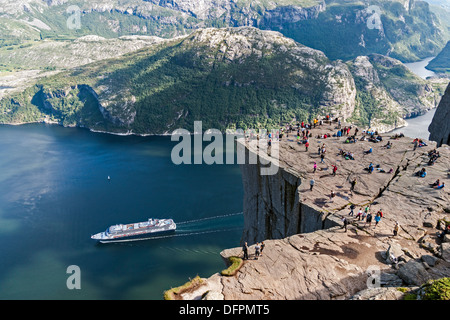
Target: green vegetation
x,y
432,290
437,289
441,64
172,86
236,264
341,31
174,293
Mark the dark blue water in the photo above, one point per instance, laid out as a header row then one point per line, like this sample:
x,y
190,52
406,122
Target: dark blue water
x,y
54,193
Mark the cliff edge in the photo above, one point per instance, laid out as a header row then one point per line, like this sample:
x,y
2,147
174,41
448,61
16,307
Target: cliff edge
x,y
440,125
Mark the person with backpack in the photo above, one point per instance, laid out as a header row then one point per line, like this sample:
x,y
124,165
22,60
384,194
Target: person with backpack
x,y
368,219
352,207
396,228
377,219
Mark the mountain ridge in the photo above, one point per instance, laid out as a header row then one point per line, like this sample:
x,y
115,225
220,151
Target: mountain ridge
x,y
228,77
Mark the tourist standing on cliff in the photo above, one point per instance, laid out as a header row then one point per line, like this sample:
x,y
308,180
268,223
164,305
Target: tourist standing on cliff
x,y
396,228
311,184
368,220
359,215
245,249
334,170
352,207
315,167
332,195
353,185
262,247
377,219
257,250
345,221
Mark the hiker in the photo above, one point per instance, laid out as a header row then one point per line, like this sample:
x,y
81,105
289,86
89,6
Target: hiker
x,y
262,247
334,170
306,145
345,221
311,184
332,195
322,156
257,250
359,215
368,219
245,249
352,207
315,167
380,212
377,219
396,228
353,185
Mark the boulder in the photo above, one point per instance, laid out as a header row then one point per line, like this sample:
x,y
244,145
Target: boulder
x,y
445,251
429,260
381,293
429,223
394,251
413,273
390,280
446,238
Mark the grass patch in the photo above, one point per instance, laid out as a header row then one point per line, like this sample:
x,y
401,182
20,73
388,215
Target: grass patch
x,y
174,293
437,289
236,264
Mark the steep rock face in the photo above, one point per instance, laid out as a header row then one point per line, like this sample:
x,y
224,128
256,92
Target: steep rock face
x,y
440,126
441,63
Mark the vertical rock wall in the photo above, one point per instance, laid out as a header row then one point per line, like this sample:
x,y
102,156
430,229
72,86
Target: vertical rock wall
x,y
272,206
440,126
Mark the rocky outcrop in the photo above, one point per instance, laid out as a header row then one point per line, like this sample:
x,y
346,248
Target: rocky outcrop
x,y
390,91
440,125
311,254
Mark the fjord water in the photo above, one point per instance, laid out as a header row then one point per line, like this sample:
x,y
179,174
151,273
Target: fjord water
x,y
55,193
418,126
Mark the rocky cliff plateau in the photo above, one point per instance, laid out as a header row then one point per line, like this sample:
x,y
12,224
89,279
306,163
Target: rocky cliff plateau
x,y
308,254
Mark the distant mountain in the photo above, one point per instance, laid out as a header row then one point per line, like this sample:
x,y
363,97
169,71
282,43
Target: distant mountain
x,y
441,3
230,77
408,31
441,64
440,125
